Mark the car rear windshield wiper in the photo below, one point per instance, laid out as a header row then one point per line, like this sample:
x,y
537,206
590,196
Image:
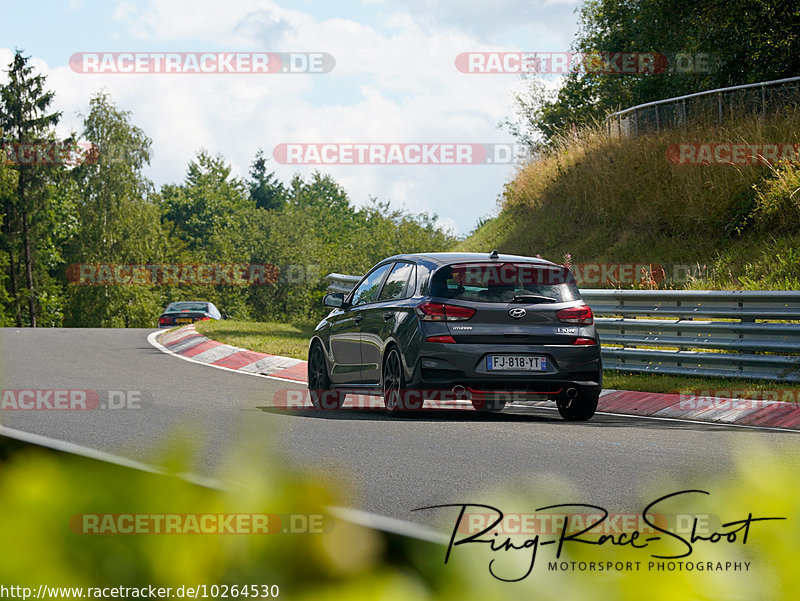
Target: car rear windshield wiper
x,y
532,298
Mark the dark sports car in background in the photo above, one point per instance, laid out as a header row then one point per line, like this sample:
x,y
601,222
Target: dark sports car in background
x,y
488,327
186,312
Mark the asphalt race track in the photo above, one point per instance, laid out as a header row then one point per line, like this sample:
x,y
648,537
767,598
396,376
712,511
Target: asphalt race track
x,y
389,465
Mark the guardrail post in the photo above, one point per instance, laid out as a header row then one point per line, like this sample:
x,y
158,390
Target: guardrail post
x,y
720,107
763,103
658,120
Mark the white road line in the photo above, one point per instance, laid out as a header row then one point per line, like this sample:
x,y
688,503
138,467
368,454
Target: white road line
x,y
75,449
387,524
347,514
684,421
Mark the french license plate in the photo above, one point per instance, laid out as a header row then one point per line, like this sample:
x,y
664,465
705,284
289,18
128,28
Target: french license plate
x,y
516,362
183,320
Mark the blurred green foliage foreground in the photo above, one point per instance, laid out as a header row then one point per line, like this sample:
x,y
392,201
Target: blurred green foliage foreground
x,y
41,490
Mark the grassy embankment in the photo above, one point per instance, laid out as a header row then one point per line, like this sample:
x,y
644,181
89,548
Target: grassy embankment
x,y
620,200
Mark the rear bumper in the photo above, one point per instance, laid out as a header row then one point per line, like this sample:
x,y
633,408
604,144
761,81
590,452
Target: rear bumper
x,y
193,320
445,366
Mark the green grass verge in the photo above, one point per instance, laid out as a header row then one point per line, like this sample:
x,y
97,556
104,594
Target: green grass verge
x,y
677,384
292,341
272,338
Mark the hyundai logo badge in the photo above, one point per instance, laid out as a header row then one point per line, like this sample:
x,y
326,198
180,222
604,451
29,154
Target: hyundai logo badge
x,y
517,313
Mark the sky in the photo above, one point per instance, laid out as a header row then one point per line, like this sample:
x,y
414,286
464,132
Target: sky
x,y
393,81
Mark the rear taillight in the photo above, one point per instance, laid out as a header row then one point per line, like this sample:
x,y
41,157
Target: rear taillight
x,y
164,321
440,312
442,339
584,342
581,315
204,319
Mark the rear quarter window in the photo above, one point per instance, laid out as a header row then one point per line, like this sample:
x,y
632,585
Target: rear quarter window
x,y
400,282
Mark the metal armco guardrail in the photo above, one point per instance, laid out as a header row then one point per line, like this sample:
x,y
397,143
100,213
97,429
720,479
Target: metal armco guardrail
x,y
341,283
700,332
741,334
754,98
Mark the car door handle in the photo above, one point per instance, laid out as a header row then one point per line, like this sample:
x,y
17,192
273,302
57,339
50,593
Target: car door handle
x,y
358,318
388,315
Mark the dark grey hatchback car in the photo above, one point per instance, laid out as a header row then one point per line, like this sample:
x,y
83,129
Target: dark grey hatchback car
x,y
490,328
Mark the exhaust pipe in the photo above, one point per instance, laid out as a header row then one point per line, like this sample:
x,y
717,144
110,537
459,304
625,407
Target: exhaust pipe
x,y
572,394
459,391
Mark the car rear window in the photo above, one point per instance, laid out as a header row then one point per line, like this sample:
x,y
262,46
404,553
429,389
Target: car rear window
x,y
500,282
175,307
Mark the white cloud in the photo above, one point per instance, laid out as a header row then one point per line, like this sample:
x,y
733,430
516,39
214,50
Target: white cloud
x,y
236,25
394,81
544,20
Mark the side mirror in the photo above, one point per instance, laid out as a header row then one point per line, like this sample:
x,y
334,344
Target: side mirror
x,y
334,299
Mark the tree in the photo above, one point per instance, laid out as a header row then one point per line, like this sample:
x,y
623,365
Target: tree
x,y
118,222
745,41
25,120
8,185
266,190
206,201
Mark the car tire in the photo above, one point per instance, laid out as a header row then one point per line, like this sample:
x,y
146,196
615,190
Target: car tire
x,y
484,406
395,396
319,382
579,409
